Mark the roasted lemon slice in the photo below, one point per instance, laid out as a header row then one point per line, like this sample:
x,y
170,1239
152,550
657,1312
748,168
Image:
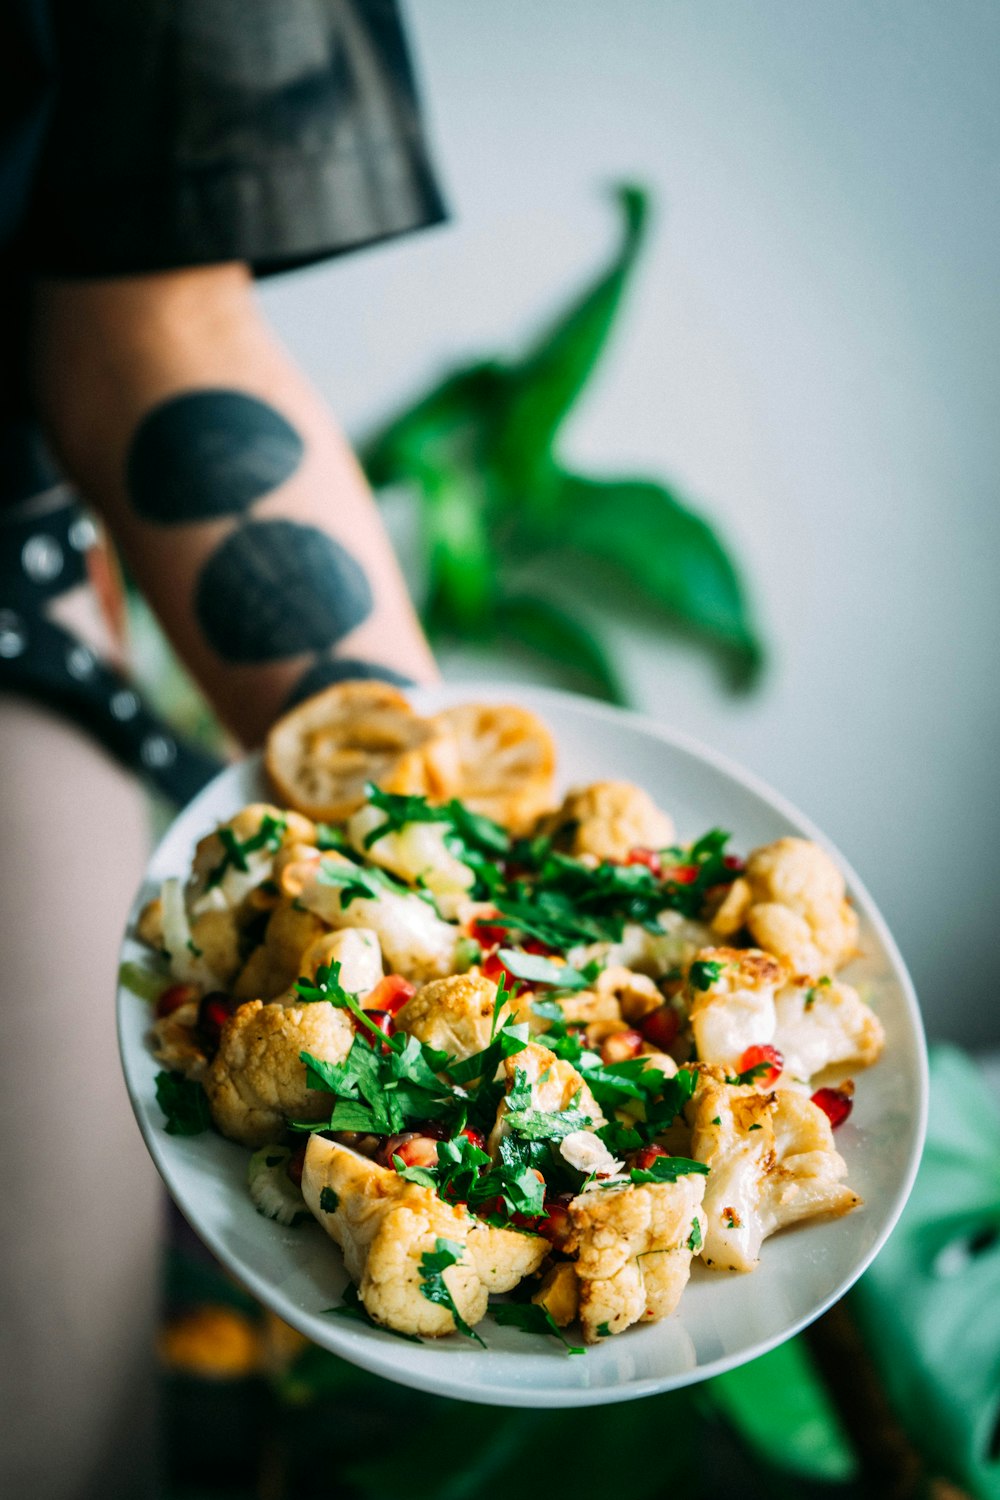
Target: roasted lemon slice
x,y
320,755
507,761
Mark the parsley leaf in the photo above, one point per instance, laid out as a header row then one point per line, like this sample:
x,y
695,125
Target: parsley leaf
x,y
694,1240
537,1125
328,1200
668,1169
704,972
539,970
184,1103
433,1264
529,1317
268,836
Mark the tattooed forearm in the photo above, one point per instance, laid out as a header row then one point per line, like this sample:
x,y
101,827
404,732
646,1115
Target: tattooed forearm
x,y
330,669
274,589
207,454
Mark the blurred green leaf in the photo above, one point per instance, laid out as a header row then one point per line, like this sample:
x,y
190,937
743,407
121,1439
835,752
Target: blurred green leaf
x,y
665,551
544,384
478,450
779,1406
449,426
462,567
544,628
929,1304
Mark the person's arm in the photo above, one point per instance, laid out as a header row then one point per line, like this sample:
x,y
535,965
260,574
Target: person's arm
x,y
234,498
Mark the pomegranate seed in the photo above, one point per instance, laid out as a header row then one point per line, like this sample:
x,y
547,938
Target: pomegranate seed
x,y
486,935
733,862
381,1019
295,1164
390,994
557,1226
490,1206
836,1104
474,1137
660,1027
213,1013
418,1151
681,874
174,996
648,857
754,1057
620,1046
644,1159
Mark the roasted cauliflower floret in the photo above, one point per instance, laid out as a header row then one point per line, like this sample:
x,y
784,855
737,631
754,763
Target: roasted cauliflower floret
x,y
729,996
559,1293
825,1023
607,820
355,949
257,1081
772,1162
274,965
417,853
235,859
554,1086
415,942
454,1015
178,1044
792,900
634,1247
385,1225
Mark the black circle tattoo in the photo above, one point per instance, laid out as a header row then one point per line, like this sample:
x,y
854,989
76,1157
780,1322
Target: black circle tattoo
x,y
208,454
341,669
276,588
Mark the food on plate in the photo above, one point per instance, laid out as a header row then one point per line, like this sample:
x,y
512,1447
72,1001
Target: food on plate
x,y
501,1045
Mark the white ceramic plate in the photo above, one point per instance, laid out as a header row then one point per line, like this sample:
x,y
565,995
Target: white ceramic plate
x,y
723,1318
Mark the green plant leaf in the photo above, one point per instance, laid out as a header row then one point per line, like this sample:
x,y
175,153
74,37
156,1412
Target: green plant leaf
x,y
669,554
779,1406
450,425
544,384
928,1305
553,634
461,563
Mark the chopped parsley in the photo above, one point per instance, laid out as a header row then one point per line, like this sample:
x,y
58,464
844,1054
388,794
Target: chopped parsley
x,y
328,1200
604,1330
810,999
694,1240
433,1264
184,1103
704,972
529,1317
668,1169
539,970
268,836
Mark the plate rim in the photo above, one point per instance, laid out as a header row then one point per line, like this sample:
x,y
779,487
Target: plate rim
x,y
357,1346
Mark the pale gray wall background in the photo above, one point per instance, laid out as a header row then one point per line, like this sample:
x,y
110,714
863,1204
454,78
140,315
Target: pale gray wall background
x,y
810,352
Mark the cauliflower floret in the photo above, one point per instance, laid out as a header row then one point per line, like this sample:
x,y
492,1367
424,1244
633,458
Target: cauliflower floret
x,y
730,998
772,1162
177,1042
227,866
792,900
414,940
454,1015
634,1247
257,1081
417,852
504,1257
607,820
554,1086
275,964
355,949
384,1225
822,1024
